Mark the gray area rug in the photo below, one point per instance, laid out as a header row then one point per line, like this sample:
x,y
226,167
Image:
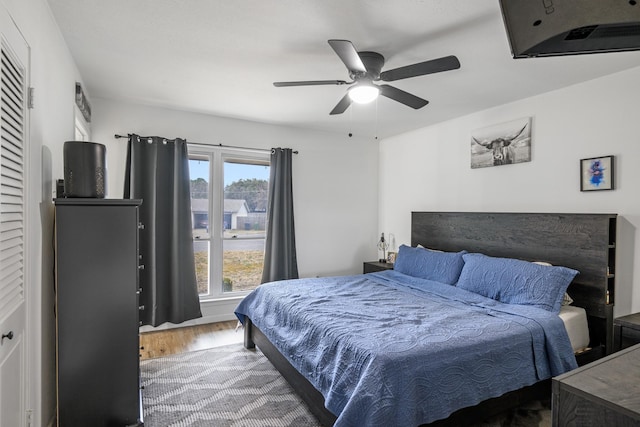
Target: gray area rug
x,y
233,387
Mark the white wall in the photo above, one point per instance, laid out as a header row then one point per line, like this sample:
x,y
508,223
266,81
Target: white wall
x,y
53,75
335,180
428,169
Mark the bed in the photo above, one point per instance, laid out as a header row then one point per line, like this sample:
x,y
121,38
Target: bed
x,y
447,353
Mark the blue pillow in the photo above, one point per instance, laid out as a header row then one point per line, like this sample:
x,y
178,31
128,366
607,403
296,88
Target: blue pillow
x,y
443,267
514,281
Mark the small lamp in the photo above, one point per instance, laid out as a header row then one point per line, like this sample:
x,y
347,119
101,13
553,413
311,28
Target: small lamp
x,y
383,246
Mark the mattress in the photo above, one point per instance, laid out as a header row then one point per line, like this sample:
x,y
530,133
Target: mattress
x,y
575,321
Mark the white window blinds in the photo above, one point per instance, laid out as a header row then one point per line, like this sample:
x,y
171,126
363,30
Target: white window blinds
x,y
12,219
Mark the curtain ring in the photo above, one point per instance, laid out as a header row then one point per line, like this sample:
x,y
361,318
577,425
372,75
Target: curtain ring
x,y
164,141
149,140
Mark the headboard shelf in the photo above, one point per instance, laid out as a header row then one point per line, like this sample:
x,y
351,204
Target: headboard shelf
x,y
584,242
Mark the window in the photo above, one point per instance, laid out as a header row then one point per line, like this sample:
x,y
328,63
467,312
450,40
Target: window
x,y
229,208
82,128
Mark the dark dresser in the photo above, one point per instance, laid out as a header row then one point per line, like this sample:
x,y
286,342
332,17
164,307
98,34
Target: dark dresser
x,y
97,312
603,393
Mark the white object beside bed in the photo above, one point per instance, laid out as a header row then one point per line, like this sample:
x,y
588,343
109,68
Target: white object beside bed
x,y
575,321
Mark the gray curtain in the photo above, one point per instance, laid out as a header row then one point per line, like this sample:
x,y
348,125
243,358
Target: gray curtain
x,y
157,172
280,262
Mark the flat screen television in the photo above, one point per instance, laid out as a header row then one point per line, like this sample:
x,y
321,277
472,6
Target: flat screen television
x,y
570,27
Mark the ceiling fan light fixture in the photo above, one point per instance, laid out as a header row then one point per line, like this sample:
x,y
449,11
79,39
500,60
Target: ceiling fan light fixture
x,y
366,67
363,93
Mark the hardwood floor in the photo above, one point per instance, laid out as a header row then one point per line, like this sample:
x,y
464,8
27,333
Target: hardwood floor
x,y
189,338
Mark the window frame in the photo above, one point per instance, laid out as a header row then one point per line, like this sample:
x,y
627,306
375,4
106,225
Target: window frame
x,y
217,156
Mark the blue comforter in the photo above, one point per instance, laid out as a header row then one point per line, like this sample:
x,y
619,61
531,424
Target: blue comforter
x,y
390,349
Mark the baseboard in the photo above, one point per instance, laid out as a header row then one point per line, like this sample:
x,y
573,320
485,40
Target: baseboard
x,y
201,321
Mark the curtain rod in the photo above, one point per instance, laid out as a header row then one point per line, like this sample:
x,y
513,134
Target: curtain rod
x,y
116,136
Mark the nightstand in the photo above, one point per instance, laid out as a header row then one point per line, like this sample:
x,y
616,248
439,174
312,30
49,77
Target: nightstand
x,y
626,331
602,393
371,266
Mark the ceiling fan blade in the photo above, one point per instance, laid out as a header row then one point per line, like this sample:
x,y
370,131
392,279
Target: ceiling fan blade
x,y
310,83
445,63
342,105
402,97
349,55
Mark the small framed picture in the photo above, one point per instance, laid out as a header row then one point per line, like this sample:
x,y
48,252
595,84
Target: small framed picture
x,y
391,257
596,174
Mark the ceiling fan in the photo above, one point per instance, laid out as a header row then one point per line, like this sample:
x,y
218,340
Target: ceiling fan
x,y
366,67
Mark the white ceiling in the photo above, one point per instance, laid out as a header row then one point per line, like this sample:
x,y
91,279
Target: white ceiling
x,y
221,58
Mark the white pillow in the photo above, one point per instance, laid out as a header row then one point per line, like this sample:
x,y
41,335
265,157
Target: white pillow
x,y
429,249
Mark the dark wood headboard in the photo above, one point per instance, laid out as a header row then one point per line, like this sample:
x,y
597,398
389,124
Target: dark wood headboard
x,y
584,242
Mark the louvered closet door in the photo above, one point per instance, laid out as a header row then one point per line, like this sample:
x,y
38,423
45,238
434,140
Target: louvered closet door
x,y
13,82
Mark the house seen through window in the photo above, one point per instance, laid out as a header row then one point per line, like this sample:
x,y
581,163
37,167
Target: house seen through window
x,y
229,192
